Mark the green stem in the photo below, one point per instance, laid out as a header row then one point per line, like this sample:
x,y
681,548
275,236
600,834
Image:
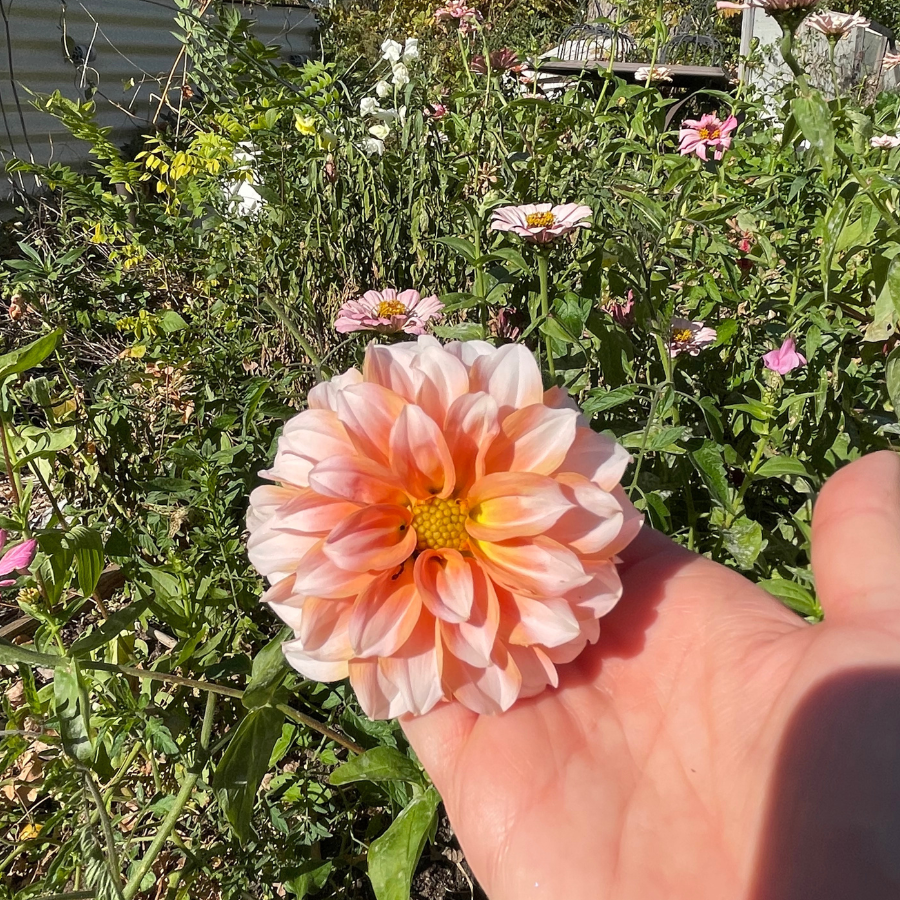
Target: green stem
x,y
644,438
291,326
112,858
12,476
171,819
787,54
479,267
543,275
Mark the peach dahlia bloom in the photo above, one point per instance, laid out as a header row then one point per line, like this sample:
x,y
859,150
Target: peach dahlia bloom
x,y
441,528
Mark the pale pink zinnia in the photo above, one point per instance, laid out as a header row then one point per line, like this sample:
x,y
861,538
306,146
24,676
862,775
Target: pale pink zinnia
x,y
651,74
696,136
885,142
770,6
541,223
785,359
689,337
441,528
388,312
835,24
890,61
17,560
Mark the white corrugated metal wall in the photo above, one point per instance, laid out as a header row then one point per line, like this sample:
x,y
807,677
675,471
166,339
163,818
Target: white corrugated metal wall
x,y
129,45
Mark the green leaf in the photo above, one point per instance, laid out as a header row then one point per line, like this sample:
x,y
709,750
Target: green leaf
x,y
72,712
12,654
393,856
886,311
87,546
710,466
782,465
172,321
813,115
599,400
466,249
311,879
744,541
794,595
243,765
378,764
462,331
269,668
121,620
892,377
29,356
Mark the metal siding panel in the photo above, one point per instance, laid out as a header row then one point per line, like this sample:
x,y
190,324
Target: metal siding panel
x,y
128,39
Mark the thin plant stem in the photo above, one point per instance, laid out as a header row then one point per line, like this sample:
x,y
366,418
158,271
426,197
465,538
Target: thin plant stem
x,y
543,269
112,857
291,326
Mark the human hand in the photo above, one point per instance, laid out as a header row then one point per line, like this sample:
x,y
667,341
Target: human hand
x,y
712,745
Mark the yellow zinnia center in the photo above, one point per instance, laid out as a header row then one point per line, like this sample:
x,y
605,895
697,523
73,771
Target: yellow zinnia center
x,y
440,524
540,220
708,134
682,336
388,308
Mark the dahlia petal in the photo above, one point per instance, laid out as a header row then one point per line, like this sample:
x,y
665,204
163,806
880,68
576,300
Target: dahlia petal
x,y
469,351
533,439
324,394
391,367
357,479
510,375
384,615
368,412
632,522
471,425
315,669
594,519
445,583
599,595
308,438
442,379
419,455
486,691
597,457
473,641
546,622
559,398
372,539
318,576
508,505
416,669
538,566
536,669
323,627
310,512
378,697
276,553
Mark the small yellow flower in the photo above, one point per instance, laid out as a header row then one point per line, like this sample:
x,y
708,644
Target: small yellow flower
x,y
305,124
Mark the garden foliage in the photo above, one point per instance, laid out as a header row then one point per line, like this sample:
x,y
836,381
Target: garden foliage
x,y
167,311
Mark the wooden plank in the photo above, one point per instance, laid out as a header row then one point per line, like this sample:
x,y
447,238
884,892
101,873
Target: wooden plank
x,y
679,73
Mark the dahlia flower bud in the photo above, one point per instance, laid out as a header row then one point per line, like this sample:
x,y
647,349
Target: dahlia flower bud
x,y
441,528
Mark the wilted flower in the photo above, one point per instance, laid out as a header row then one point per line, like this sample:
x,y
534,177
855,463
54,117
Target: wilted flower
x,y
709,131
372,147
435,111
834,24
17,560
890,61
504,60
330,169
388,312
653,73
17,306
690,337
621,310
400,75
440,528
785,359
885,142
504,324
383,89
541,223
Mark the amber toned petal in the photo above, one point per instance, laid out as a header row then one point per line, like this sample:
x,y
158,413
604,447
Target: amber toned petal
x,y
419,455
318,576
384,616
372,539
445,582
537,566
368,412
357,479
534,439
510,375
472,424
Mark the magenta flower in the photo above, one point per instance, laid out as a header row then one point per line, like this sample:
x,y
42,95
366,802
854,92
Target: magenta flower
x,y
467,17
388,312
622,311
541,223
435,111
710,131
689,337
785,359
18,559
504,60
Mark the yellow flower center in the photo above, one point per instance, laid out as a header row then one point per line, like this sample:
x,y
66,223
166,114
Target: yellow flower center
x,y
388,308
708,134
540,220
440,524
682,336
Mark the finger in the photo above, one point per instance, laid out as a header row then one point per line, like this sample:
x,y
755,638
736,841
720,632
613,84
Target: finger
x,y
439,738
856,538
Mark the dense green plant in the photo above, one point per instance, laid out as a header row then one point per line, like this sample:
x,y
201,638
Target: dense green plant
x,y
175,746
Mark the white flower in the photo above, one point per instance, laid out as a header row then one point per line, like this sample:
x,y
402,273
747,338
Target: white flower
x,y
386,115
368,106
380,131
411,50
383,89
653,73
885,142
372,147
391,50
401,75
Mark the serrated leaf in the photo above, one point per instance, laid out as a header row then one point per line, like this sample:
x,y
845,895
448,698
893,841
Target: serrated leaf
x,y
241,769
393,856
711,467
378,764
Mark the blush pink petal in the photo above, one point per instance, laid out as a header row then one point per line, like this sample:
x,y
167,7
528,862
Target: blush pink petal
x,y
372,539
306,440
602,592
308,511
489,690
445,584
469,351
510,375
310,667
534,439
384,615
442,379
548,623
324,394
391,366
536,670
419,455
597,457
358,480
472,641
20,557
318,576
415,669
632,522
369,412
471,425
508,505
594,519
378,696
276,552
538,566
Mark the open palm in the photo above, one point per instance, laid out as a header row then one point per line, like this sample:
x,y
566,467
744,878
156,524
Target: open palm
x,y
711,744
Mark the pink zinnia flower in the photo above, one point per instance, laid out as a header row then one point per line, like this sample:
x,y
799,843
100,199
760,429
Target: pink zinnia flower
x,y
388,312
622,311
541,223
785,359
435,111
465,15
890,61
17,560
690,337
885,142
769,6
441,528
504,60
710,131
834,24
